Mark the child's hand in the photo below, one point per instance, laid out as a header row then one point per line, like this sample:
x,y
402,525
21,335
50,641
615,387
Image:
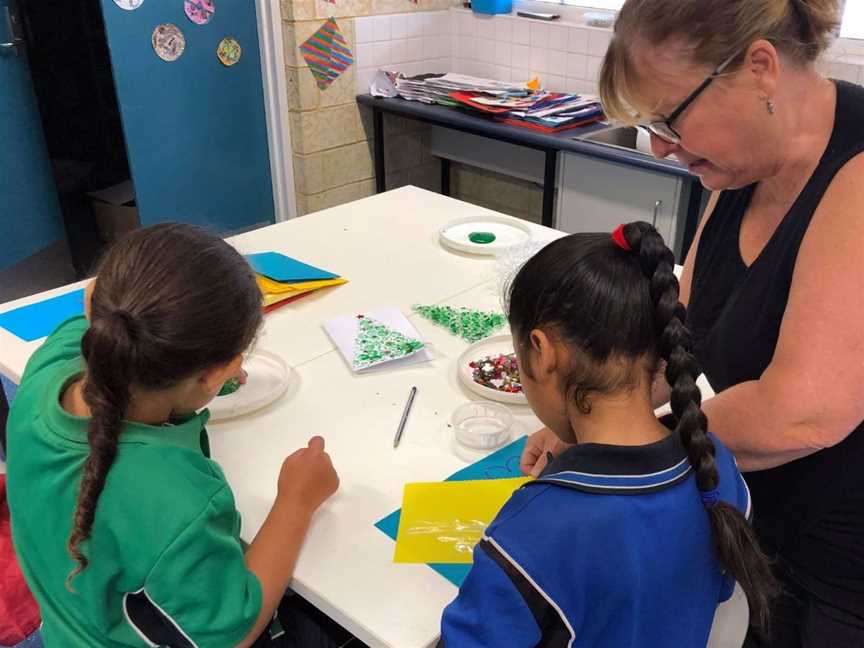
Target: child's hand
x,y
307,477
539,445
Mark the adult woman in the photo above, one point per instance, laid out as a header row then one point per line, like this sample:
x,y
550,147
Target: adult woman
x,y
773,282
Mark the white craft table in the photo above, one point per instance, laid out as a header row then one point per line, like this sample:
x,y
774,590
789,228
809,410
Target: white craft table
x,y
387,246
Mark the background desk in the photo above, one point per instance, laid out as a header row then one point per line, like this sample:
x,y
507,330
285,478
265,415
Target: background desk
x,y
571,141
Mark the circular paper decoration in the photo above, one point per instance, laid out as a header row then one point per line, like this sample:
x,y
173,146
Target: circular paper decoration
x,y
129,5
200,11
168,42
229,51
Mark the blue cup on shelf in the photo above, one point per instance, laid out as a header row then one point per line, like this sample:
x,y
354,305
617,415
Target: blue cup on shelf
x,y
492,6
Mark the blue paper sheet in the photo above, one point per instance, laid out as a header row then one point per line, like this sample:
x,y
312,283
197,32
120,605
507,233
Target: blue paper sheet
x,y
501,464
279,267
40,319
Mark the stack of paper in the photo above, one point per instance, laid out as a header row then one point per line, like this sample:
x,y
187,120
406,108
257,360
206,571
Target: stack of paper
x,y
439,88
518,104
283,279
557,111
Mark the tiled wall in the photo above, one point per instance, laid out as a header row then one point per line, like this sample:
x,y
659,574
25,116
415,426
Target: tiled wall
x,y
845,60
408,43
565,57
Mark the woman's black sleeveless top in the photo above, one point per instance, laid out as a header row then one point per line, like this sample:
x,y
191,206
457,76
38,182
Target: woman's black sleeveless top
x,y
809,513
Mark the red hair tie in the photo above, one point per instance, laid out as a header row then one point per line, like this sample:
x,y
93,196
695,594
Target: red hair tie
x,y
620,241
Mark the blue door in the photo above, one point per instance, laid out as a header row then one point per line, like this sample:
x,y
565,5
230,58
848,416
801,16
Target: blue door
x,y
30,218
195,129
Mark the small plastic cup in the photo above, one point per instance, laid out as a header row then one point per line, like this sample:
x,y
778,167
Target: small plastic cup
x,y
482,425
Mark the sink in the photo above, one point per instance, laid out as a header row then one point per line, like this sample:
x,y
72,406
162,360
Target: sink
x,y
623,137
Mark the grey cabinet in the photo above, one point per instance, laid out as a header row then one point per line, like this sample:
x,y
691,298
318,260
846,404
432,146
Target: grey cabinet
x,y
597,195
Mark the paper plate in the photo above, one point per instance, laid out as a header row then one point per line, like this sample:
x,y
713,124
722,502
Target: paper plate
x,y
489,347
268,378
200,12
508,232
229,51
168,42
129,5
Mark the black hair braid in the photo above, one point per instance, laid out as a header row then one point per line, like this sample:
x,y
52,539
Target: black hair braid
x,y
108,348
735,541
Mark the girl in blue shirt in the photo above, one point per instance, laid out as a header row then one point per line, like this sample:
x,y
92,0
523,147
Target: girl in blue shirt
x,y
632,536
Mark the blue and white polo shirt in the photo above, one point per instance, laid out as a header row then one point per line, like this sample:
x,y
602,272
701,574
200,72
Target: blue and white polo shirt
x,y
610,548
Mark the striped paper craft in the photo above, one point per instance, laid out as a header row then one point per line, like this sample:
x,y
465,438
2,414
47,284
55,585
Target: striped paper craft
x,y
327,54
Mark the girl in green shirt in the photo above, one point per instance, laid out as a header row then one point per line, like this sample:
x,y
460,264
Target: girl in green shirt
x,y
126,530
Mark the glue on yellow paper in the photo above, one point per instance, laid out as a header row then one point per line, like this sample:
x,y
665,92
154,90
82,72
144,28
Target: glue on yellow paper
x,y
442,521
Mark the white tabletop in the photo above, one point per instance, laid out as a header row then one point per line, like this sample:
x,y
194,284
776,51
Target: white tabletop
x,y
387,246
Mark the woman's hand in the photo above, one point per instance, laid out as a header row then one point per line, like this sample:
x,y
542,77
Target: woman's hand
x,y
537,449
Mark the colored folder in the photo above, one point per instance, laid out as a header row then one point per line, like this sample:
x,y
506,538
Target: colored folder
x,y
279,267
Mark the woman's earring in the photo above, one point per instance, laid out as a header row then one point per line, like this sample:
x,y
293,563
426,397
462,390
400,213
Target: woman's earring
x,y
771,108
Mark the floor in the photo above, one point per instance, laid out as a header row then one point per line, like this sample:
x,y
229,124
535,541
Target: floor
x,y
66,261
50,268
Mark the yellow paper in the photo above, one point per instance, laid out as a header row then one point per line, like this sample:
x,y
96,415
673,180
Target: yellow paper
x,y
268,286
271,298
442,521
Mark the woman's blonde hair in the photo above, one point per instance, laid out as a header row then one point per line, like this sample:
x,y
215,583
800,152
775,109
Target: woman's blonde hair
x,y
712,31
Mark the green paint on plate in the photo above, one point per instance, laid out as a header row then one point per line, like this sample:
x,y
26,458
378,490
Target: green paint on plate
x,y
482,238
231,385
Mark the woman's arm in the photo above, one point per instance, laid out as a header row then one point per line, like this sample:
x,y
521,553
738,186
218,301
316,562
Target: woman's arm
x,y
810,396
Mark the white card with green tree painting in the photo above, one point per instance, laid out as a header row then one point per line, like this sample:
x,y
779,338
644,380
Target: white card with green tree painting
x,y
372,339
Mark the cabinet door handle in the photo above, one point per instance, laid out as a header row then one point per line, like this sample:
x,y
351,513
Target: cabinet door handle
x,y
657,206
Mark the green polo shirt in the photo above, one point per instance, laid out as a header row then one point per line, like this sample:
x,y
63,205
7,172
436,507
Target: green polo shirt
x,y
165,554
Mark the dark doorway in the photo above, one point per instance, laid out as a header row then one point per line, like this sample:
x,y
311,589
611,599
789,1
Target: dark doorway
x,y
71,69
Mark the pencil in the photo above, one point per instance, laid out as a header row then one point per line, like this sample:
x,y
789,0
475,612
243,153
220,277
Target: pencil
x,y
405,416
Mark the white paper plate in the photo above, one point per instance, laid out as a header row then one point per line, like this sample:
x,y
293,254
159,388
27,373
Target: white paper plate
x,y
508,232
268,378
489,347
